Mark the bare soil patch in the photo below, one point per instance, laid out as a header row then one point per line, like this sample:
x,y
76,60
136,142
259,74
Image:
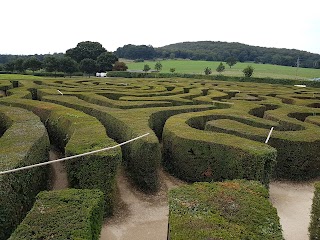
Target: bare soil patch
x,y
59,177
293,201
140,216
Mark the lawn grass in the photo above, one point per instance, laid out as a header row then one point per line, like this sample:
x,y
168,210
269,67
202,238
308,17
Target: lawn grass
x,y
11,77
260,70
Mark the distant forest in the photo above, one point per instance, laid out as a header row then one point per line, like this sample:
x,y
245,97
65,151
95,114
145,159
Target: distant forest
x,y
209,51
5,58
221,51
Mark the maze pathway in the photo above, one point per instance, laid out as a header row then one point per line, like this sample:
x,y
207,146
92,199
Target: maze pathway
x,y
200,130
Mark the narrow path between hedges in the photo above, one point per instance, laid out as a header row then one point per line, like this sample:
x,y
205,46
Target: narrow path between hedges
x,y
58,177
143,216
140,216
293,201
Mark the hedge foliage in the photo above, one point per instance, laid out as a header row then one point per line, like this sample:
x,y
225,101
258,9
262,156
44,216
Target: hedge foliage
x,y
314,227
227,210
142,158
196,155
24,142
296,142
77,133
64,214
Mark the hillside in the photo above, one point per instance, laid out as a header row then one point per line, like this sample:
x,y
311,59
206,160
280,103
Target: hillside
x,y
220,51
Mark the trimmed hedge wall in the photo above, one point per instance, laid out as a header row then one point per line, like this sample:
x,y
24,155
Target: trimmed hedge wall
x,y
65,214
196,155
77,133
25,142
143,157
314,227
297,142
103,101
228,210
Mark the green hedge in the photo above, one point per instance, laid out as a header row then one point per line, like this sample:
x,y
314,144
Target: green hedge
x,y
296,142
143,157
223,210
314,227
25,142
77,133
196,155
104,101
65,214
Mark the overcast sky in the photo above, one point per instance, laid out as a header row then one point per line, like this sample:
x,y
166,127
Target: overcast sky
x,y
48,26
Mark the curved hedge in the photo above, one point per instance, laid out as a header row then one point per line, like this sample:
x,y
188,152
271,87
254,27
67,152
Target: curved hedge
x,y
25,142
196,155
65,214
77,133
143,157
228,210
297,141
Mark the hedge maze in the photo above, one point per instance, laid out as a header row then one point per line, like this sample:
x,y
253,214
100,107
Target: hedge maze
x,y
200,130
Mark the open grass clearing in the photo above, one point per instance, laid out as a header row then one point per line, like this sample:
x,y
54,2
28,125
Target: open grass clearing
x,y
260,70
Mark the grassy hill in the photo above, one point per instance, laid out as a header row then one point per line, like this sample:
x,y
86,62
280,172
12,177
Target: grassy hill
x,y
260,70
220,51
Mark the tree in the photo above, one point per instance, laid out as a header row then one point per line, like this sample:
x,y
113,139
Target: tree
x,y
133,52
207,71
51,64
172,70
9,66
220,68
88,66
19,65
231,61
158,66
119,66
86,50
146,68
172,56
33,64
105,61
68,65
248,71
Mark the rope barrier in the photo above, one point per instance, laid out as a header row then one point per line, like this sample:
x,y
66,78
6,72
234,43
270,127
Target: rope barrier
x,y
267,140
71,157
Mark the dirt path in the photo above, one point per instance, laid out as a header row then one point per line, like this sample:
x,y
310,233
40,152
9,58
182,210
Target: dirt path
x,y
140,216
2,93
59,178
293,202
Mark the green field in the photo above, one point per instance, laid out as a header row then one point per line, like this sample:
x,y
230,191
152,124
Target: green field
x,y
260,70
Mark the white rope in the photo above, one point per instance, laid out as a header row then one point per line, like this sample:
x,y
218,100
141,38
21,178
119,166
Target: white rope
x,y
267,140
71,157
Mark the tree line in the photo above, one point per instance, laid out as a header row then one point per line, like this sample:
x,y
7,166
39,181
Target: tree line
x,y
87,57
77,59
221,51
